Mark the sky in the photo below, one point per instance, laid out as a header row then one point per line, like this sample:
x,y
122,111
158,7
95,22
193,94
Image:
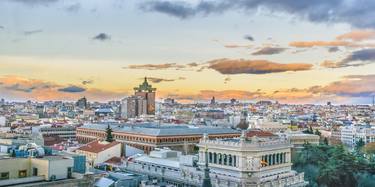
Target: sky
x,y
291,51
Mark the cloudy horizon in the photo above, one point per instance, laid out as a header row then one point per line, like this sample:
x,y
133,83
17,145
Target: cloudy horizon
x,y
292,52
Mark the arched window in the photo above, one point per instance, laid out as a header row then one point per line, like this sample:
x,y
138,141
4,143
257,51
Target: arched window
x,y
210,157
220,159
225,159
234,161
215,158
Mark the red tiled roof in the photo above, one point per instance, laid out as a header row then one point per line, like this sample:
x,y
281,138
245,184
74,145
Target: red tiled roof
x,y
259,133
97,146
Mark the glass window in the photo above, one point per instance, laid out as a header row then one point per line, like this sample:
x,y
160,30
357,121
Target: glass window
x,y
4,175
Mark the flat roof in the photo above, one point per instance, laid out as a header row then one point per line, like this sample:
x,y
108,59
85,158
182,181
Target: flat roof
x,y
154,129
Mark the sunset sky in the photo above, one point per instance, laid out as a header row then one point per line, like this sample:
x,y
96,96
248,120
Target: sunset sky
x,y
291,51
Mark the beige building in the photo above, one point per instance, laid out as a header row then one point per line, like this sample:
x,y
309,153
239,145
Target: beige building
x,y
26,170
100,151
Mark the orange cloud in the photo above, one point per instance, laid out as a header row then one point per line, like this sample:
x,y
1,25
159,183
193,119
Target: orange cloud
x,y
320,43
21,88
157,66
242,66
358,35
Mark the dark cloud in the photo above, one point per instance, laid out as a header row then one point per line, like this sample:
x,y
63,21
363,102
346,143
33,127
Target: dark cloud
x,y
20,88
333,49
184,10
2,27
269,51
73,7
31,32
242,66
157,66
356,13
227,79
248,37
72,89
193,64
159,80
35,2
357,58
86,82
102,37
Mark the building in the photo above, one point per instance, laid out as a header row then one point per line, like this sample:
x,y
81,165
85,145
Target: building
x,y
100,151
148,136
146,91
82,103
255,159
45,171
65,132
133,106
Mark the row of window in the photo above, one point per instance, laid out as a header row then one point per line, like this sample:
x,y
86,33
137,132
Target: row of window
x,y
273,159
222,159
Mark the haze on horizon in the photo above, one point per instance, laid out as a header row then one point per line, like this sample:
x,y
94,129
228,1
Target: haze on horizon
x,y
293,52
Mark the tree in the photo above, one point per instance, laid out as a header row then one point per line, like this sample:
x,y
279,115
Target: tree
x,y
317,132
109,137
359,145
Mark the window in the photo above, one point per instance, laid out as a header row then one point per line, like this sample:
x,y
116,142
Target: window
x,y
22,173
35,171
4,175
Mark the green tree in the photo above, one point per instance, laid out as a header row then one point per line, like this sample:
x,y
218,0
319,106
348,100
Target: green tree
x,y
317,132
109,137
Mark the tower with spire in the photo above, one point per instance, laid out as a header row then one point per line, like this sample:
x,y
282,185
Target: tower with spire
x,y
146,91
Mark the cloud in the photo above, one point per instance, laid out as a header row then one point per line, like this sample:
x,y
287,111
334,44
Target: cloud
x,y
355,13
357,35
72,89
20,88
227,79
236,46
193,64
269,51
102,37
31,32
73,7
35,2
2,27
248,37
333,49
242,66
159,80
357,58
320,43
86,82
157,66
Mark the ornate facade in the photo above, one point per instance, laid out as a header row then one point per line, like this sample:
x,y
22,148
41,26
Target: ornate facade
x,y
250,161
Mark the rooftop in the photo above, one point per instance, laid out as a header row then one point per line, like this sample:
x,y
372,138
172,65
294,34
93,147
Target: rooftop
x,y
97,146
154,129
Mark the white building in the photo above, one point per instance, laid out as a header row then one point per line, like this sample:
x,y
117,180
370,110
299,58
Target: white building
x,y
100,151
256,159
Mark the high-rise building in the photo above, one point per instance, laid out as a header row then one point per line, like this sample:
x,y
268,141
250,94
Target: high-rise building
x,y
146,91
133,106
82,103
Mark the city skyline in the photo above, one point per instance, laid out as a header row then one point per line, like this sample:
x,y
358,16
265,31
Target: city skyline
x,y
306,52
